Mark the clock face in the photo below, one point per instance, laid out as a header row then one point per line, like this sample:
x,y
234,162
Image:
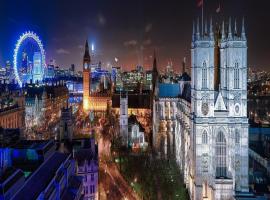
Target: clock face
x,y
85,66
205,108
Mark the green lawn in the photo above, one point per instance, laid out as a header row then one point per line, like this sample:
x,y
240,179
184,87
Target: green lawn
x,y
153,178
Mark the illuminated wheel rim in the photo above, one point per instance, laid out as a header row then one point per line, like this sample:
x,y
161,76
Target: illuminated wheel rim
x,y
22,38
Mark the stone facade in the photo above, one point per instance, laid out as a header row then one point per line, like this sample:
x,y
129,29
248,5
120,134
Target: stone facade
x,y
208,134
12,108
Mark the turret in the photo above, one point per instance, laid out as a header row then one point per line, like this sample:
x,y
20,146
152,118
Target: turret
x,y
205,29
184,65
198,30
230,30
223,31
217,59
211,33
243,33
193,32
235,28
154,72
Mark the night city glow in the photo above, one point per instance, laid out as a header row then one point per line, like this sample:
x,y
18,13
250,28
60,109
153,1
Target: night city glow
x,y
134,100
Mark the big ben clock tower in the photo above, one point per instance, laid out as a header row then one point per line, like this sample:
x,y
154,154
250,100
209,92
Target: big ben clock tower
x,y
86,77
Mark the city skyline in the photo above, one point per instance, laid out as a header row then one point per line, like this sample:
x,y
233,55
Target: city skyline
x,y
129,31
133,100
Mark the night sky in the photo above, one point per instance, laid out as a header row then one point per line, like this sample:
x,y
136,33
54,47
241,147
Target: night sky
x,y
127,29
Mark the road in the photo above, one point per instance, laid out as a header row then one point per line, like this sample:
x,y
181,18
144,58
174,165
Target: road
x,y
113,184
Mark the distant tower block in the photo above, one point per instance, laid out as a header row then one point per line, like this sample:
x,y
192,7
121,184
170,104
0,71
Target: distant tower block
x,y
86,78
37,67
124,118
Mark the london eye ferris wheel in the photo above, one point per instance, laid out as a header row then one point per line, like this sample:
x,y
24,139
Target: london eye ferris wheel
x,y
29,59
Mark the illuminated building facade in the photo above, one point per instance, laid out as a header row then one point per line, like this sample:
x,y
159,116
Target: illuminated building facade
x,y
136,138
205,125
126,106
43,104
12,107
124,118
97,100
87,167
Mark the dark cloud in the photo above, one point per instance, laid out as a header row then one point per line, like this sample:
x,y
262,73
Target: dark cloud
x,y
80,46
147,42
62,51
131,43
101,19
148,27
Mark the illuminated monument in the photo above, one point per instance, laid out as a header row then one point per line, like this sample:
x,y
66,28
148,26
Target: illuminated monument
x,y
96,101
23,72
86,78
219,129
205,125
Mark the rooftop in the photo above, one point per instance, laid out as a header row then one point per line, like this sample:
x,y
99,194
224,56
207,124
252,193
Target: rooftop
x,y
85,155
32,144
9,177
41,178
72,190
171,90
134,101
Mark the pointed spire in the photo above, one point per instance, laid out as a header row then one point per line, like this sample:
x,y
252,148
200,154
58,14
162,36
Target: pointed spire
x,y
155,61
86,45
193,31
235,28
198,29
184,65
243,33
211,33
230,30
154,72
205,28
223,31
86,57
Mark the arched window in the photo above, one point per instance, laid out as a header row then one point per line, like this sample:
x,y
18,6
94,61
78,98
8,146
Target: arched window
x,y
205,189
204,137
236,76
204,76
237,137
220,155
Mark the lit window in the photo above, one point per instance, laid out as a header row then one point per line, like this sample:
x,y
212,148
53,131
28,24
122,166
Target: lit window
x,y
205,189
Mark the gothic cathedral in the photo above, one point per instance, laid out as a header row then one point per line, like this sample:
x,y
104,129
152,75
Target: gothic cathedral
x,y
208,119
219,126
